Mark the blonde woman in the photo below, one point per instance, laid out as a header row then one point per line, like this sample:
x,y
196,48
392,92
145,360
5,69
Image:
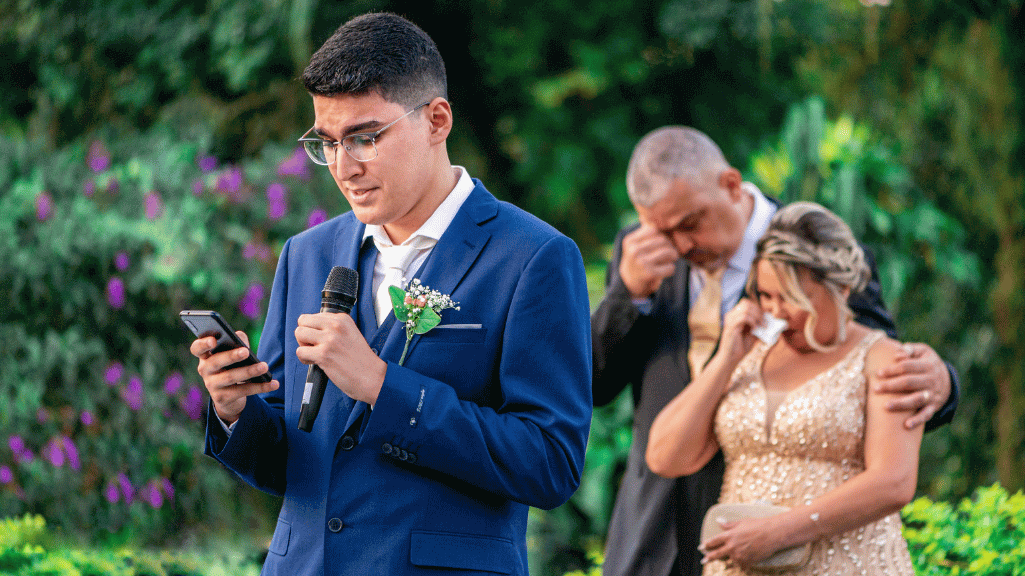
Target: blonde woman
x,y
799,421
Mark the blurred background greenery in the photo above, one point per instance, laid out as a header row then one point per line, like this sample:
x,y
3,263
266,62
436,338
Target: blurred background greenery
x,y
148,164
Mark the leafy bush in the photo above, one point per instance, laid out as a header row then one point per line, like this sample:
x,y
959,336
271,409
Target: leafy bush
x,y
22,554
984,535
101,245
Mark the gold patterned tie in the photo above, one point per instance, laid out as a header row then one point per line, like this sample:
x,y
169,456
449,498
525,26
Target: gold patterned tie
x,y
704,320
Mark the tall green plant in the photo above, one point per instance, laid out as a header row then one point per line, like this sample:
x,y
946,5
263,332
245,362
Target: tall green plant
x,y
100,246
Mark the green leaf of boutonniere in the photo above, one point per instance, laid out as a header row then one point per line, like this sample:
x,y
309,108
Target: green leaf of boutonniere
x,y
428,319
398,303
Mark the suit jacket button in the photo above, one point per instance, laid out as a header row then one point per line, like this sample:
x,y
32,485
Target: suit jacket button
x,y
403,455
412,458
335,525
348,443
386,448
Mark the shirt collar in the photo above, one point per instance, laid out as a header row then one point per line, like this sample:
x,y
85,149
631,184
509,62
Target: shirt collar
x,y
756,227
430,231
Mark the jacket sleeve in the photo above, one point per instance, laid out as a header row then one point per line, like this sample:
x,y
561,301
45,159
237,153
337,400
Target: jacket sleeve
x,y
528,445
619,334
870,310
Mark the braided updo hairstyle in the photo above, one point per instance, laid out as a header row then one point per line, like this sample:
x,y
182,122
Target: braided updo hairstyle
x,y
807,235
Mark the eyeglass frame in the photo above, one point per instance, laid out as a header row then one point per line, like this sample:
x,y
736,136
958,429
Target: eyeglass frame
x,y
372,135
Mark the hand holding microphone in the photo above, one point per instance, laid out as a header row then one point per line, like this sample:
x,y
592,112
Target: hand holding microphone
x,y
338,296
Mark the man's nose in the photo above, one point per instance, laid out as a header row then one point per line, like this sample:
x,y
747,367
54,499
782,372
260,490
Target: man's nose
x,y
682,242
345,166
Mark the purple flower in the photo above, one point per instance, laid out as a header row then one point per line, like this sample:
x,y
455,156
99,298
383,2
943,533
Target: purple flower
x,y
132,394
168,488
89,188
87,418
230,183
26,457
154,205
6,476
53,453
116,293
16,444
152,495
256,250
113,186
121,261
295,165
207,163
126,488
250,303
114,372
98,158
72,453
197,187
111,493
276,206
44,206
316,217
173,383
192,404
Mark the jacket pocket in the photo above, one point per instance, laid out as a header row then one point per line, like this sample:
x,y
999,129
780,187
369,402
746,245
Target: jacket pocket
x,y
456,333
279,543
462,551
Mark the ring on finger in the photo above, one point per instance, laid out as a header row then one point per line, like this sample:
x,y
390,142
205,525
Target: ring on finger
x,y
926,395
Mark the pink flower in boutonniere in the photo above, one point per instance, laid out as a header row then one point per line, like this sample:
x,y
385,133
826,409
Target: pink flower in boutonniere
x,y
419,308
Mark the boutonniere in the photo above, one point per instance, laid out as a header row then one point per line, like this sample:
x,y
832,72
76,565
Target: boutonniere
x,y
419,308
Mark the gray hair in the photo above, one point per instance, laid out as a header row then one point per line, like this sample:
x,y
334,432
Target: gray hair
x,y
671,153
807,235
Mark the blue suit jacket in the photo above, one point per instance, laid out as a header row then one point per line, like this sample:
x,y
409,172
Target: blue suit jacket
x,y
488,415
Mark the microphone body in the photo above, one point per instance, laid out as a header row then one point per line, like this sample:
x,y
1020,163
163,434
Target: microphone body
x,y
338,296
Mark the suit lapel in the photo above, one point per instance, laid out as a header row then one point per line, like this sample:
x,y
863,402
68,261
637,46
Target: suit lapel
x,y
451,259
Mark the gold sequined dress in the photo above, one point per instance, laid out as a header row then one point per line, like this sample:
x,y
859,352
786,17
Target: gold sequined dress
x,y
814,443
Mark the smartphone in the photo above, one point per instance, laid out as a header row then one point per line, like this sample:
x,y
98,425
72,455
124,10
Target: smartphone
x,y
205,323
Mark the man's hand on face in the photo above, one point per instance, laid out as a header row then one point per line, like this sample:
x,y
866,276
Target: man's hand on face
x,y
920,375
649,257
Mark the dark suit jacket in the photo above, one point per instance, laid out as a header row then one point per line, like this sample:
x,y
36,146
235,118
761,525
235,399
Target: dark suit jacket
x,y
488,415
656,519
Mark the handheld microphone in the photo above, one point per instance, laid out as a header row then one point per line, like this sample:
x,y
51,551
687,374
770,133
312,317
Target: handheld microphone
x,y
338,297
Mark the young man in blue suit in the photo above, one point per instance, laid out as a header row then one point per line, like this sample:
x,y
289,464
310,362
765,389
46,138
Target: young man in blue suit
x,y
427,467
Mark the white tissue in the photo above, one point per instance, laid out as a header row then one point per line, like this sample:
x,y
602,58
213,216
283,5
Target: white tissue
x,y
770,331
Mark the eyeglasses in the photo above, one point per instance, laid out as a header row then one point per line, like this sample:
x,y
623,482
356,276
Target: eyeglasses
x,y
361,147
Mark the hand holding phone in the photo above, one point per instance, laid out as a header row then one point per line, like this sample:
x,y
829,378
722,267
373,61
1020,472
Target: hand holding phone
x,y
205,323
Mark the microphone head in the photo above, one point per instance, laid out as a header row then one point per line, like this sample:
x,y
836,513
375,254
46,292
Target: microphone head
x,y
342,280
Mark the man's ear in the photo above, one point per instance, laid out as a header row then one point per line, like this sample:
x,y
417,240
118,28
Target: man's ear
x,y
439,114
730,180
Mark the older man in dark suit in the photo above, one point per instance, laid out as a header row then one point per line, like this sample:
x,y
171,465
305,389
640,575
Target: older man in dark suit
x,y
671,278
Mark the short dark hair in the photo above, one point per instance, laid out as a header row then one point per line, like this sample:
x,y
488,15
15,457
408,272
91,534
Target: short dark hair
x,y
378,52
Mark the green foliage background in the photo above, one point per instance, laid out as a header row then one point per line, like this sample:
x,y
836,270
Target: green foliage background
x,y
147,164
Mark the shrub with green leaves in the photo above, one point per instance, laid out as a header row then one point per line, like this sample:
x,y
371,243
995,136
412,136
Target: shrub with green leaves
x,y
984,535
101,245
22,553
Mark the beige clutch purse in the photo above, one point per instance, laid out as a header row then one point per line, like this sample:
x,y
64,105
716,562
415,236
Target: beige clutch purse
x,y
782,561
